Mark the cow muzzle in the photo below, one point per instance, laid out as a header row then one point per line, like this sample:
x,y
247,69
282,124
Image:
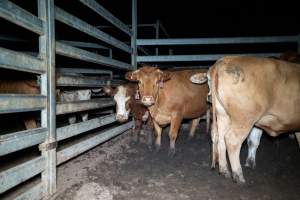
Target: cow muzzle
x,y
121,118
147,100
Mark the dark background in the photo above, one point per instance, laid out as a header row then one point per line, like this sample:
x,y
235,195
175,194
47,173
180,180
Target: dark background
x,y
182,19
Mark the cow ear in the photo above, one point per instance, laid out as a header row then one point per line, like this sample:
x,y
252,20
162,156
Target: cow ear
x,y
108,90
132,76
164,75
199,78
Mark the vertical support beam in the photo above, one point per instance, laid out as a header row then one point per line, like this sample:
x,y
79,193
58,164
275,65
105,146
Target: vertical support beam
x,y
298,43
134,34
48,118
110,53
157,26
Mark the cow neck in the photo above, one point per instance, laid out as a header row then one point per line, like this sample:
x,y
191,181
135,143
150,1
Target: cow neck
x,y
154,109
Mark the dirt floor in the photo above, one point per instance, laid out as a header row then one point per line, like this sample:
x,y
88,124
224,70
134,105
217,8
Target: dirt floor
x,y
121,170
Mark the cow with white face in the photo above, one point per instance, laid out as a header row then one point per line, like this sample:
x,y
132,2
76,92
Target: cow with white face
x,y
74,95
127,101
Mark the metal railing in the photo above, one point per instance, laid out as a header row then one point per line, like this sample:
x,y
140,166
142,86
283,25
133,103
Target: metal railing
x,y
209,41
43,64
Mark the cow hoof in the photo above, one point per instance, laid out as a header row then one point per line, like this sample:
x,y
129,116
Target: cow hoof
x,y
250,163
190,138
225,173
135,139
213,166
171,152
239,179
149,147
157,148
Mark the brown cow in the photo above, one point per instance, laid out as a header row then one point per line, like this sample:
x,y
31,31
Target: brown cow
x,y
290,56
170,97
127,101
247,92
21,87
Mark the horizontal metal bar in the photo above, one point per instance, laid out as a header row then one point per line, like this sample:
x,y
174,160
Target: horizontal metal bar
x,y
128,25
73,52
64,108
10,103
80,25
18,15
83,44
89,143
144,50
76,129
11,38
83,71
225,40
187,58
162,27
34,193
19,61
16,175
20,140
78,81
92,4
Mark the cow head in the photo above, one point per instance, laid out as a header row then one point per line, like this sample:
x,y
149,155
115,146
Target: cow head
x,y
150,81
201,78
122,99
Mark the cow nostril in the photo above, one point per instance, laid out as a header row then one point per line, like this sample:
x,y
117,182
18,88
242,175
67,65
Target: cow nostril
x,y
147,99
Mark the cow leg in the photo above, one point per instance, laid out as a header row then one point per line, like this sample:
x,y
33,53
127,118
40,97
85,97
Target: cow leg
x,y
234,139
30,123
194,125
207,120
175,125
84,117
72,119
149,132
253,141
136,130
214,139
158,131
298,137
222,128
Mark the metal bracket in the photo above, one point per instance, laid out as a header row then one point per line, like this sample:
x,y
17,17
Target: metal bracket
x,y
46,146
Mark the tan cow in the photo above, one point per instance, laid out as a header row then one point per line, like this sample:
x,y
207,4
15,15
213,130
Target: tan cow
x,y
247,92
170,97
21,87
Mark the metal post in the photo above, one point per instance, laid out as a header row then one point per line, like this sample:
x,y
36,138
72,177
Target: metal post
x,y
298,43
157,26
134,34
48,118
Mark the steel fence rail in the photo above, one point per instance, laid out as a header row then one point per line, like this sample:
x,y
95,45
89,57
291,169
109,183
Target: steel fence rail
x,y
20,61
223,40
64,108
92,4
20,140
10,103
78,128
21,17
84,44
80,81
76,149
77,23
73,52
189,58
20,173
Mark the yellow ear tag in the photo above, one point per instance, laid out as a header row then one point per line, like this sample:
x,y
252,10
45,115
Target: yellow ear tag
x,y
137,95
